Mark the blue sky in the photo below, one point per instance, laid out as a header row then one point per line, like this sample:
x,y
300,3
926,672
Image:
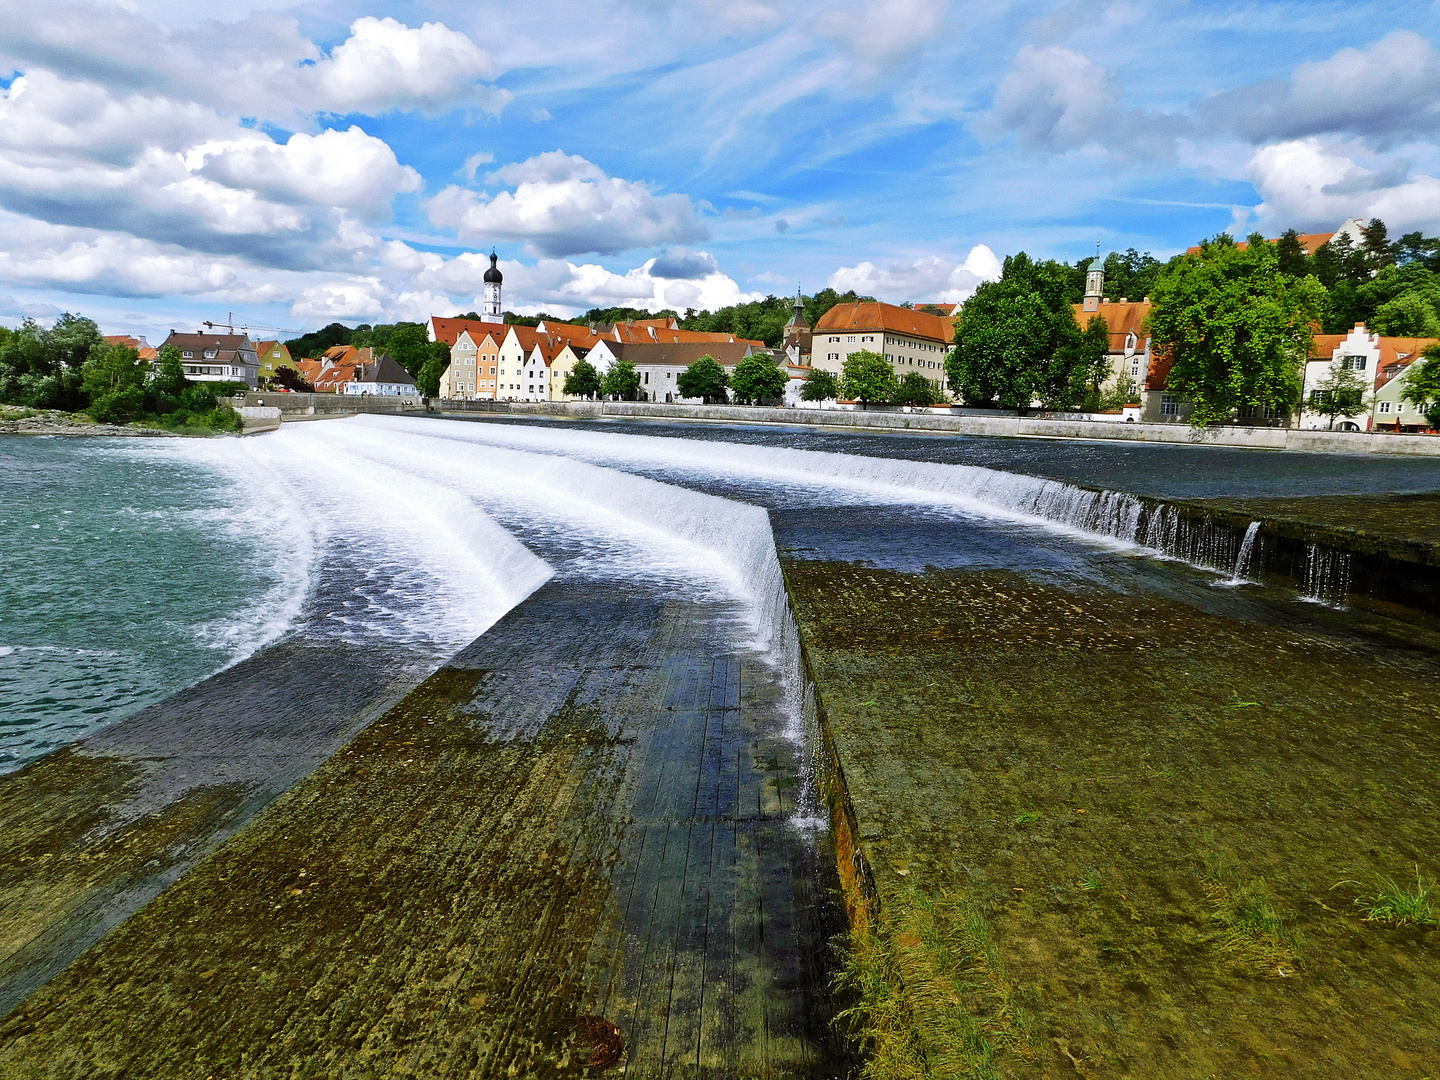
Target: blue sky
x,y
301,164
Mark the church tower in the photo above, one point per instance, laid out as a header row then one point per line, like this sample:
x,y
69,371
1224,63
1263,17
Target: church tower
x,y
797,332
1094,285
492,312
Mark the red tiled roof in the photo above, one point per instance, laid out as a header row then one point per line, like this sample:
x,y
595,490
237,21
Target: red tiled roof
x,y
1122,319
449,330
890,317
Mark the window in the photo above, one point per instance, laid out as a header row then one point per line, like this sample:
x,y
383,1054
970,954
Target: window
x,y
211,354
188,355
1353,363
852,337
1384,406
1135,369
1169,405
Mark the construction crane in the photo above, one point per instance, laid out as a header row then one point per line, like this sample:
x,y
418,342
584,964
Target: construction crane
x,y
231,326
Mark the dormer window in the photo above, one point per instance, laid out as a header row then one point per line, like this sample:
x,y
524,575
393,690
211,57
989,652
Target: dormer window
x,y
187,355
211,354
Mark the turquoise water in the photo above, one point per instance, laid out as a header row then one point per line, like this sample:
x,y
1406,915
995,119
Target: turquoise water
x,y
129,572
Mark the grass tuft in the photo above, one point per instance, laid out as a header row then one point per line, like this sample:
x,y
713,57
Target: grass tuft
x,y
1252,929
1400,906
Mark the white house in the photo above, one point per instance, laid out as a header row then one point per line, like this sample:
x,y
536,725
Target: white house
x,y
1381,362
382,378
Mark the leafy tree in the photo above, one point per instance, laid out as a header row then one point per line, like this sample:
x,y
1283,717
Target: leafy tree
x,y
757,379
1422,385
705,379
916,389
582,381
166,383
114,378
1235,328
1093,355
1130,276
292,380
820,385
622,381
1417,249
1017,340
1411,314
867,376
427,382
42,368
626,314
313,345
1340,393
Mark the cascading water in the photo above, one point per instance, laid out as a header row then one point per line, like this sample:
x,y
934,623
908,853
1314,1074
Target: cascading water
x,y
1247,548
1326,575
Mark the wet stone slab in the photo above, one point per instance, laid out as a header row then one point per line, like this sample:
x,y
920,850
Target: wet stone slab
x,y
91,833
571,846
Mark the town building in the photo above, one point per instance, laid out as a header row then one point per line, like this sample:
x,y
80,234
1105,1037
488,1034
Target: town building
x,y
382,377
273,356
1129,348
797,340
1384,365
217,357
911,340
659,363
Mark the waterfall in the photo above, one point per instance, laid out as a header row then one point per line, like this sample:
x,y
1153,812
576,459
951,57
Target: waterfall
x,y
1326,577
1242,560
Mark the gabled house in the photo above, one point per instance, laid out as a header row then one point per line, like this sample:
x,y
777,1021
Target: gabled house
x,y
1381,362
273,355
659,364
217,357
383,377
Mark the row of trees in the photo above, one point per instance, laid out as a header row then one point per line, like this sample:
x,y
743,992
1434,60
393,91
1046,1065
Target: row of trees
x,y
755,379
70,367
868,378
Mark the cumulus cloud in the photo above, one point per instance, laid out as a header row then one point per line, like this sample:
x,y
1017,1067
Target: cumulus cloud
x,y
261,66
880,36
920,280
684,265
1384,93
348,169
1309,182
1056,99
565,205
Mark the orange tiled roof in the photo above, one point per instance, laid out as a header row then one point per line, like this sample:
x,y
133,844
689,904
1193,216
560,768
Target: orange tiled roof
x,y
1122,319
449,330
1396,353
890,317
1308,242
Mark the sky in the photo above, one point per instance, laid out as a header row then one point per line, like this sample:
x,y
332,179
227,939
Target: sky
x,y
286,166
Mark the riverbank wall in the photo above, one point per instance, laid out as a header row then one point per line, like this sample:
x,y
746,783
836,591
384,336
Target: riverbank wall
x,y
966,423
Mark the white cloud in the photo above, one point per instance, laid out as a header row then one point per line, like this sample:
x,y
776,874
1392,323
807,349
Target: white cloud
x,y
385,65
565,205
347,169
260,66
928,279
880,36
1055,99
355,298
1311,183
1385,92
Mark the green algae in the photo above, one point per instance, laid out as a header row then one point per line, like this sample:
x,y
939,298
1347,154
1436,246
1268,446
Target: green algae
x,y
1144,744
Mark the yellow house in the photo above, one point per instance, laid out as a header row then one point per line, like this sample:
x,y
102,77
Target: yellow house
x,y
273,354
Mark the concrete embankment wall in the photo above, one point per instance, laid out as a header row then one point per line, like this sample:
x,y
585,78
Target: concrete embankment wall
x,y
308,406
972,423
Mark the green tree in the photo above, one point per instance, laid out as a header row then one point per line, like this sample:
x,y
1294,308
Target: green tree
x,y
1236,329
1422,385
1340,393
867,376
408,345
1291,255
1417,249
705,379
622,381
42,368
1411,314
114,378
427,382
1376,247
916,389
292,380
166,382
1017,340
582,381
820,385
313,345
1093,358
757,379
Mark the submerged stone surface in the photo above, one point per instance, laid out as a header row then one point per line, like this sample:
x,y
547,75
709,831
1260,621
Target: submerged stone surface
x,y
583,823
1113,835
